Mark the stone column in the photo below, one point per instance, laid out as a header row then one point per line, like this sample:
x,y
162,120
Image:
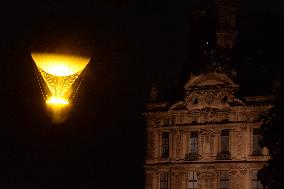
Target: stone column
x,y
185,143
156,180
157,150
174,143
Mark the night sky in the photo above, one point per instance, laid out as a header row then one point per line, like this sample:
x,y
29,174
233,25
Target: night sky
x,y
133,45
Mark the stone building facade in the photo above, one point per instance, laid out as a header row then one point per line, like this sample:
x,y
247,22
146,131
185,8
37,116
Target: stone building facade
x,y
209,139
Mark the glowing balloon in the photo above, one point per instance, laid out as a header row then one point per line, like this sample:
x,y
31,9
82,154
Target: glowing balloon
x,y
59,64
59,72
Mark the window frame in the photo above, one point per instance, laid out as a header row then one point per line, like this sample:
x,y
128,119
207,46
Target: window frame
x,y
193,142
165,151
254,179
256,137
225,180
193,180
225,138
164,180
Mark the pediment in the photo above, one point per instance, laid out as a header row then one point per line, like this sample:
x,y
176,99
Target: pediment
x,y
210,79
178,105
210,82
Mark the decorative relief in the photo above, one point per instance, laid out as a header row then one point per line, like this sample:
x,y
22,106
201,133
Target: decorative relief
x,y
202,110
178,138
238,141
243,171
208,114
153,122
233,172
209,98
243,126
214,97
236,179
207,142
205,180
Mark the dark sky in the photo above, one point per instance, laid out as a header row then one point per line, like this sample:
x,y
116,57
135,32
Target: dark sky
x,y
133,44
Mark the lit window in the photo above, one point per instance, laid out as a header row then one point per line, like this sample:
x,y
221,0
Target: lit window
x,y
256,184
224,180
193,142
164,181
165,145
256,138
225,140
192,180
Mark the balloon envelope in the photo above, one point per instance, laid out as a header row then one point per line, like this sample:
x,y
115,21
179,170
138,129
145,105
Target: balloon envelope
x,y
60,64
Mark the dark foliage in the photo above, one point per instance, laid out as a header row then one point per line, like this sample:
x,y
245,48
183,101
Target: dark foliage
x,y
271,175
273,138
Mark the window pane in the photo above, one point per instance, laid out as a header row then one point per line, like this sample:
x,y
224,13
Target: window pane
x,y
192,180
259,185
164,181
225,132
256,184
254,174
194,134
195,176
224,144
224,180
193,142
256,138
225,140
165,145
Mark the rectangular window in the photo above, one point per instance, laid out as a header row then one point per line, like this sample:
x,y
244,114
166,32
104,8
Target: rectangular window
x,y
256,138
165,145
256,184
193,142
191,180
164,181
224,180
225,140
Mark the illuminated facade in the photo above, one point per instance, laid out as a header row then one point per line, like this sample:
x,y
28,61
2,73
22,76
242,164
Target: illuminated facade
x,y
210,139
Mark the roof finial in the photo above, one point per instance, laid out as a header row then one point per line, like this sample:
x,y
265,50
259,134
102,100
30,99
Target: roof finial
x,y
153,93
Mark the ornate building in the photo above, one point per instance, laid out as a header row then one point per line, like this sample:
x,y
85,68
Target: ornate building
x,y
210,139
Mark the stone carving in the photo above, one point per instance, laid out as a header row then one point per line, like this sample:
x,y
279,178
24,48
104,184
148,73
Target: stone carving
x,y
213,97
239,141
210,99
235,176
153,94
178,137
208,115
153,122
205,180
207,142
243,171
